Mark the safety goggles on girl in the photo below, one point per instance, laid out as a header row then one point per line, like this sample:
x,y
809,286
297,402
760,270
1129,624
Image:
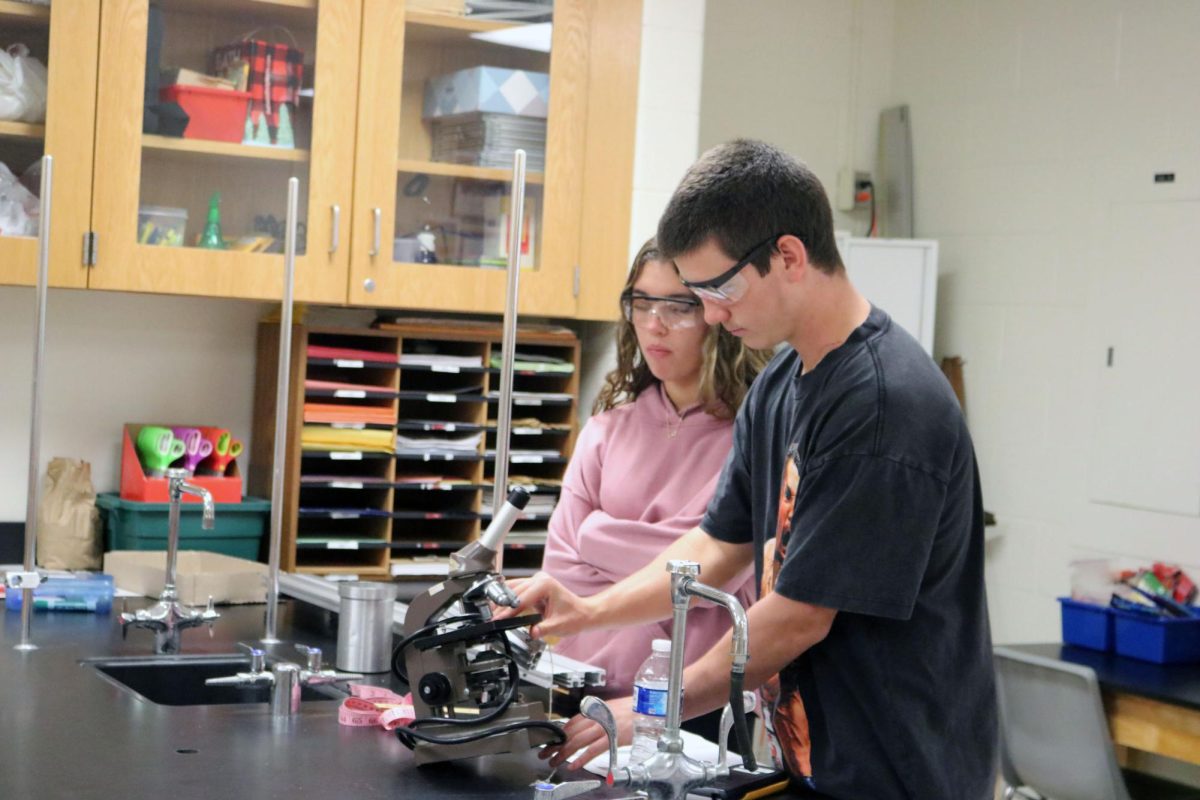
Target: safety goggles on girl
x,y
673,312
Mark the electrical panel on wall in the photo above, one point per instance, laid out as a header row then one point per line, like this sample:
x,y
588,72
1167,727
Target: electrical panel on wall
x,y
1145,437
899,276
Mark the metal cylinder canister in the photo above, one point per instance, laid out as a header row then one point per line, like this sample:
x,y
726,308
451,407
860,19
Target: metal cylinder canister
x,y
364,641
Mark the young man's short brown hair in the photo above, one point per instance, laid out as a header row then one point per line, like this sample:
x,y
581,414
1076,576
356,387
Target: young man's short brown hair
x,y
742,193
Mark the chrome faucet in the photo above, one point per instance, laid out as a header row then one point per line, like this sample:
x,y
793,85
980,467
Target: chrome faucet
x,y
167,618
669,774
285,678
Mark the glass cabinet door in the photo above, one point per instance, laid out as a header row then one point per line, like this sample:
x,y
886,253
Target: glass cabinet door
x,y
205,109
53,50
439,119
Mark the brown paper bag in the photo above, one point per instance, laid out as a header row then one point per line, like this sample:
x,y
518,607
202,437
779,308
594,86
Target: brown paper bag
x,y
68,535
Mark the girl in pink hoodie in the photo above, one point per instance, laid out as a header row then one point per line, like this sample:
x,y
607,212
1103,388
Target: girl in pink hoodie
x,y
647,462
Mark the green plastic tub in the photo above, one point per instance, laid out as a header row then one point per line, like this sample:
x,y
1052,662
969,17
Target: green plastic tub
x,y
237,531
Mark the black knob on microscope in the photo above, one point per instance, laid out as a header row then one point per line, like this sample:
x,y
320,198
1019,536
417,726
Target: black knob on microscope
x,y
435,689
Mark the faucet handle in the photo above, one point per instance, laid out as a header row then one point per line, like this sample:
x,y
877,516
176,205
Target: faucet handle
x,y
598,711
312,657
723,735
210,612
258,657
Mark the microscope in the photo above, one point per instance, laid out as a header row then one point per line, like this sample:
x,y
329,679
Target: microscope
x,y
463,669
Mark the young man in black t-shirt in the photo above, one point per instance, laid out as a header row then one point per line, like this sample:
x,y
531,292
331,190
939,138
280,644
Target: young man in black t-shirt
x,y
851,485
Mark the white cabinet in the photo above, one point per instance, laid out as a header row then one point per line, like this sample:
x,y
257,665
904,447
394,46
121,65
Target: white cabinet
x,y
899,276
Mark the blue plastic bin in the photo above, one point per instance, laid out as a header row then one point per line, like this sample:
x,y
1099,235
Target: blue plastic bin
x,y
1087,625
1163,640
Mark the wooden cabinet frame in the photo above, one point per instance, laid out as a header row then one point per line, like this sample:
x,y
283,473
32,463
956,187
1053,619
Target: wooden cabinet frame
x,y
70,115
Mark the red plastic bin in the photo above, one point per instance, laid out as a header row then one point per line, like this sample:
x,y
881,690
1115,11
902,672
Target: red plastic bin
x,y
215,114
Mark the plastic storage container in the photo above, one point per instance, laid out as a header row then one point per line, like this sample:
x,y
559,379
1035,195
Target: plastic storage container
x,y
1150,637
84,592
214,114
237,530
650,701
1086,624
495,89
162,225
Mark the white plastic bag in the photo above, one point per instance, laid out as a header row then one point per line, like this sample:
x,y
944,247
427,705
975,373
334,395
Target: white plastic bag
x,y
22,85
18,206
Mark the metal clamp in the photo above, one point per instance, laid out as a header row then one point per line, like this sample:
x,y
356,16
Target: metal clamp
x,y
23,580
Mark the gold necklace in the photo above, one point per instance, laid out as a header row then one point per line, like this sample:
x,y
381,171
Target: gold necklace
x,y
673,424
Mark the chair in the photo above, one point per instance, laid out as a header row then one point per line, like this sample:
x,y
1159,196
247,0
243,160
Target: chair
x,y
1055,737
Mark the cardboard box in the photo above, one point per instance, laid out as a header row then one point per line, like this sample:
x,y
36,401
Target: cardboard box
x,y
199,575
136,485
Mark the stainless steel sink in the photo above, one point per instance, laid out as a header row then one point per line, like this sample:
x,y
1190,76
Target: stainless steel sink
x,y
179,680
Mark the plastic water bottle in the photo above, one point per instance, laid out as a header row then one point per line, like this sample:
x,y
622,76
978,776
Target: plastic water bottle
x,y
650,701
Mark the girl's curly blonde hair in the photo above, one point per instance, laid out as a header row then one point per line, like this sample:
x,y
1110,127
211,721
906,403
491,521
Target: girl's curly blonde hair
x,y
728,370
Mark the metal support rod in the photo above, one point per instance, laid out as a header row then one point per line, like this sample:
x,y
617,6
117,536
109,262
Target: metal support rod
x,y
35,416
174,497
282,382
508,346
682,603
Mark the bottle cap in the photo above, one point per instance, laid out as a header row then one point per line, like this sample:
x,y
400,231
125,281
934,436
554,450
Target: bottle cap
x,y
661,646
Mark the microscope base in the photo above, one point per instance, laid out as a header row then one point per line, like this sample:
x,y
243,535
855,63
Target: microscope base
x,y
510,742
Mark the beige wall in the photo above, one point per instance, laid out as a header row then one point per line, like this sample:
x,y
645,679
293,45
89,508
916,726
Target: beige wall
x,y
116,358
807,75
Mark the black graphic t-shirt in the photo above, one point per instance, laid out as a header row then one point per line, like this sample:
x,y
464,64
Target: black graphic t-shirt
x,y
858,484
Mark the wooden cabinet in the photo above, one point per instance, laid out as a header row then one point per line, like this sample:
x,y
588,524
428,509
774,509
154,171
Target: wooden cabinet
x,y
403,190
392,438
363,152
136,170
63,37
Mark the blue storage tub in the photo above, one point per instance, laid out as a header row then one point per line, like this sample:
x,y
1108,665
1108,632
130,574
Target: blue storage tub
x,y
1087,625
1163,640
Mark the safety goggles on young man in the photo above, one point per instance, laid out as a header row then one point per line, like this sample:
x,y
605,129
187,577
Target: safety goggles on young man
x,y
730,286
673,312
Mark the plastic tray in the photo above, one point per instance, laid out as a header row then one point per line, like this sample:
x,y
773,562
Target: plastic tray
x,y
1163,640
1086,624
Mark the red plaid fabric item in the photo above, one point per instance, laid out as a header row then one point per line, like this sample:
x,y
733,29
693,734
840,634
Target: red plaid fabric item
x,y
276,74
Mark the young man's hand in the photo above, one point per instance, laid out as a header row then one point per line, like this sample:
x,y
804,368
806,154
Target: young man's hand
x,y
563,612
587,737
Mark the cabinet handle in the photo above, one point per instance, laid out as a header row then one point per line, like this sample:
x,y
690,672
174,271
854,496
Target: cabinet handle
x,y
335,236
377,213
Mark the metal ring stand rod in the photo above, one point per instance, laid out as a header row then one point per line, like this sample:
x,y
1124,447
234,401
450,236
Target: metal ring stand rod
x,y
508,345
282,381
35,424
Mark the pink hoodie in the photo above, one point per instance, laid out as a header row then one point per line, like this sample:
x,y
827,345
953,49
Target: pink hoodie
x,y
640,477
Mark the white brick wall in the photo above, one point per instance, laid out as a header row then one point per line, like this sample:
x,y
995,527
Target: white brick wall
x,y
1029,119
